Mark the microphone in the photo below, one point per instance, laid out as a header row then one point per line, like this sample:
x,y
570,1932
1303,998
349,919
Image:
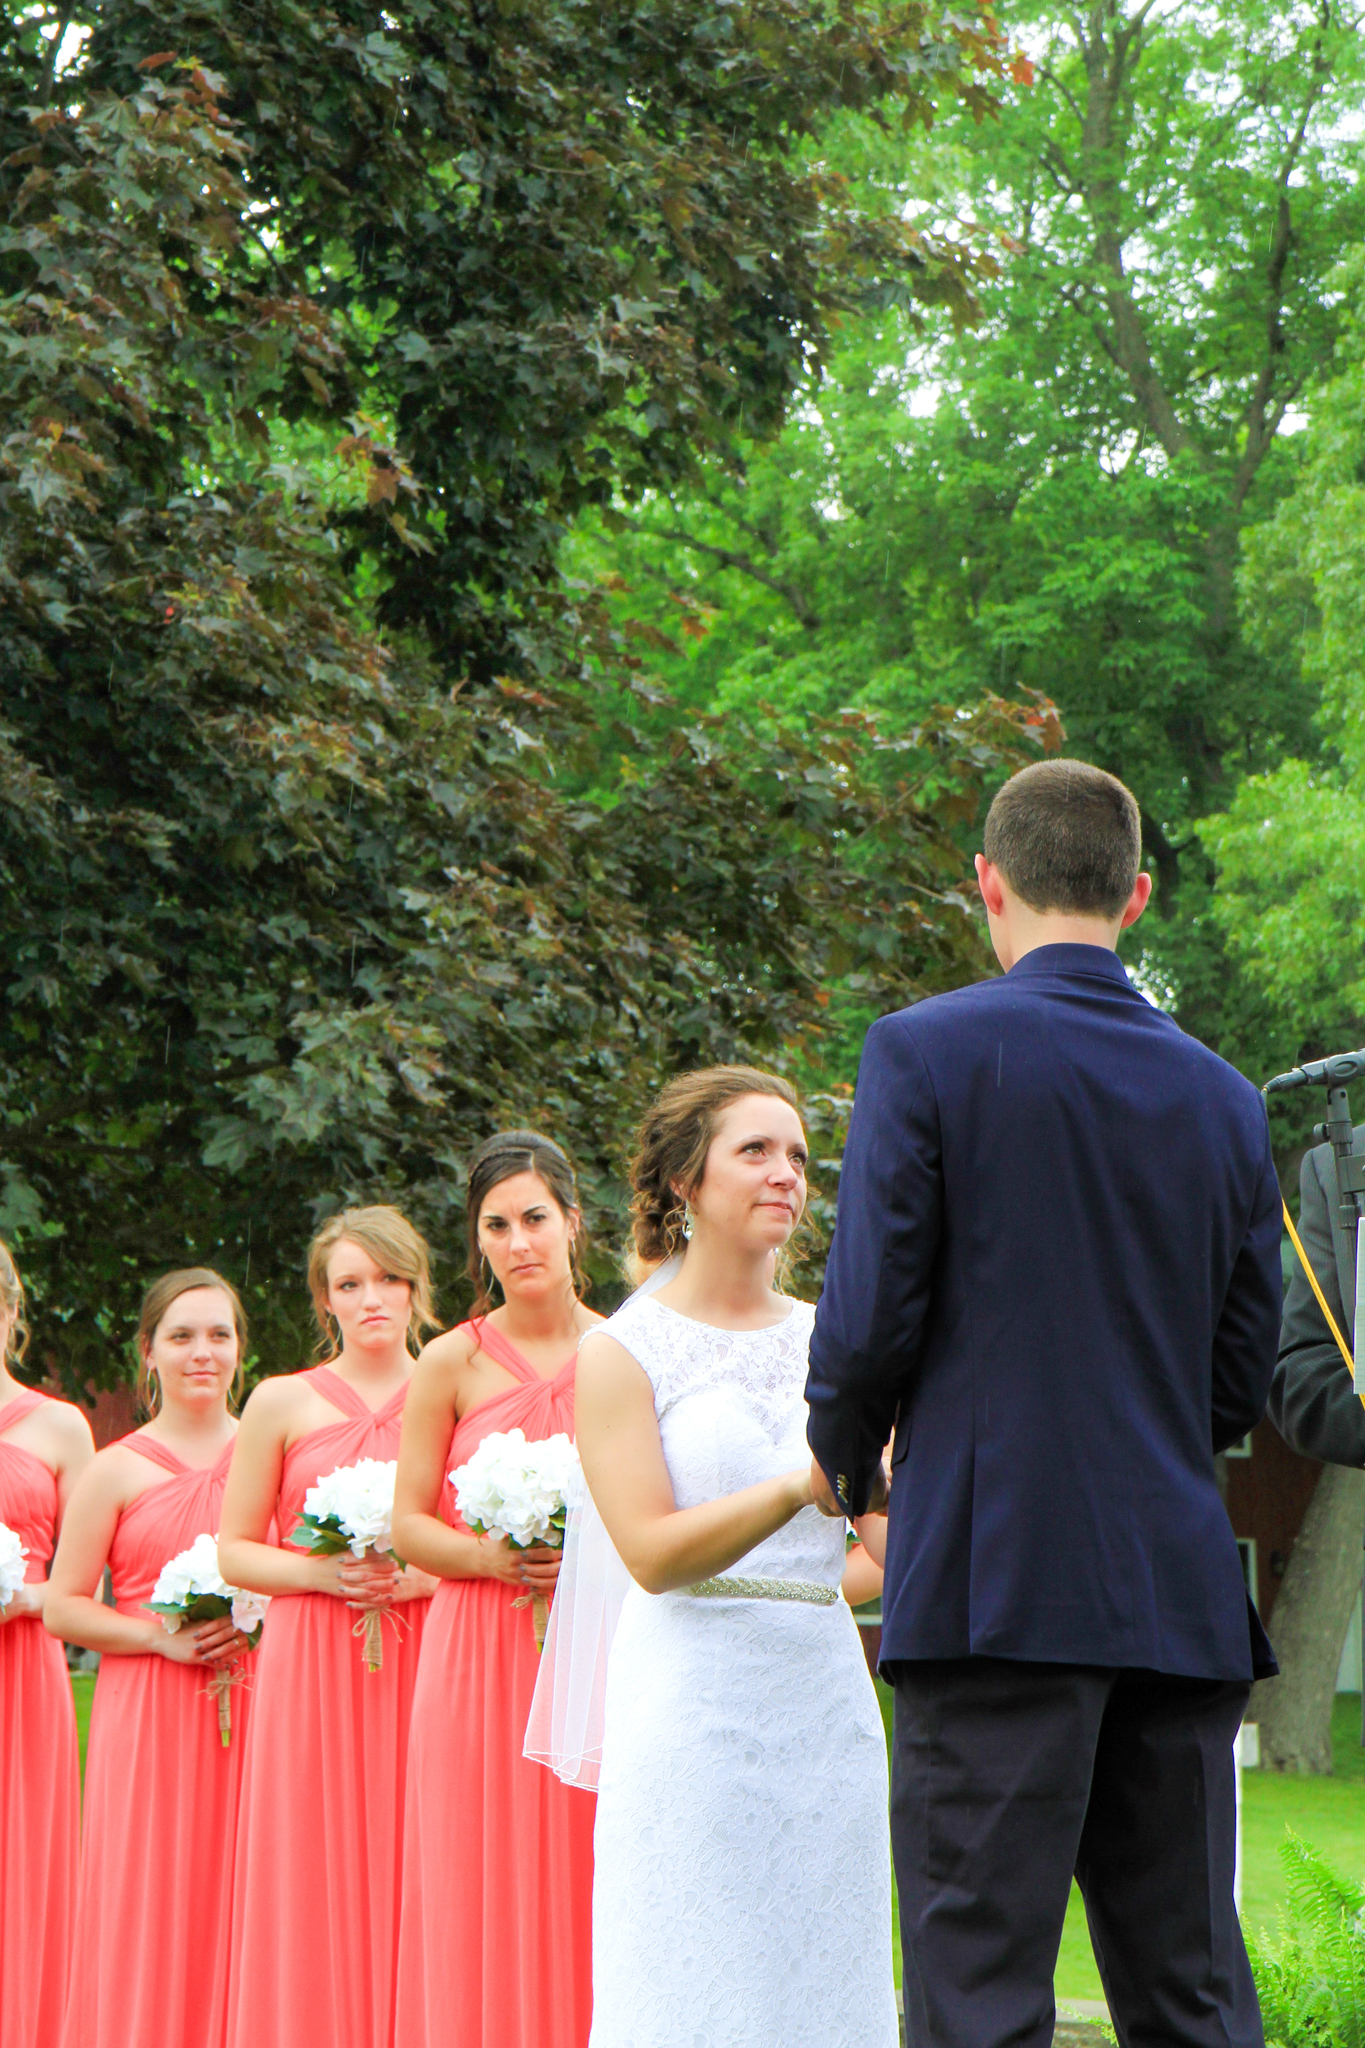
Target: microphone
x,y
1332,1073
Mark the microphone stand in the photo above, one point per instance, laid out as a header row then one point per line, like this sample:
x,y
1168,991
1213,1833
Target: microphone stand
x,y
1338,1131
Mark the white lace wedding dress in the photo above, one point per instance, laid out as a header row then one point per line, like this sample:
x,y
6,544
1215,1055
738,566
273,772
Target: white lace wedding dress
x,y
742,1895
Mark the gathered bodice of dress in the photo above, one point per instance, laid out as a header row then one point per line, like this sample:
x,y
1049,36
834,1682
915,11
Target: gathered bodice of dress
x,y
731,1408
358,1432
537,1406
28,1490
163,1521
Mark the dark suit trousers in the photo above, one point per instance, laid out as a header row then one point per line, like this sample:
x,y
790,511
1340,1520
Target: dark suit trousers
x,y
1006,1778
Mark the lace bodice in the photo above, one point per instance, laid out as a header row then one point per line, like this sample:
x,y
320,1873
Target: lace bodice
x,y
732,1411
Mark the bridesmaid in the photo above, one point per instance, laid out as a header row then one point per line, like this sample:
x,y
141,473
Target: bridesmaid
x,y
496,1948
44,1447
161,1791
315,1917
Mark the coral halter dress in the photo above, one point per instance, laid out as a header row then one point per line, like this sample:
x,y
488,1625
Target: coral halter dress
x,y
315,1919
496,1948
40,1792
161,1797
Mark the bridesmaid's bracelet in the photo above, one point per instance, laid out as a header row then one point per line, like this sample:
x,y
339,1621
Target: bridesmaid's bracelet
x,y
764,1589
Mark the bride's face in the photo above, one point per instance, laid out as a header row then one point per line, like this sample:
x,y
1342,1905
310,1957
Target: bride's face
x,y
753,1186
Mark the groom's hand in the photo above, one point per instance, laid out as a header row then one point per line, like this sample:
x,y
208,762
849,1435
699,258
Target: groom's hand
x,y
824,1497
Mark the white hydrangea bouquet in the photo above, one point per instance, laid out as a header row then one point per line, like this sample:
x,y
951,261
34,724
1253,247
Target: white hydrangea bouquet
x,y
352,1509
191,1589
13,1556
519,1490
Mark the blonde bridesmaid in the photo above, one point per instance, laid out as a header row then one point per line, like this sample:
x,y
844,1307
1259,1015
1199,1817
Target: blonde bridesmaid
x,y
44,1447
315,1918
496,1948
161,1790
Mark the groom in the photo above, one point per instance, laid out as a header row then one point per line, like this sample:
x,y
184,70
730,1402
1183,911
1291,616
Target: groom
x,y
1056,1273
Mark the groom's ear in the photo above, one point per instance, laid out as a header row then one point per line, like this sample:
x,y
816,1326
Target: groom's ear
x,y
990,882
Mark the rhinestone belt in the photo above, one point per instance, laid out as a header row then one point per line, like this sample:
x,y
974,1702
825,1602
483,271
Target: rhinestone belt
x,y
763,1589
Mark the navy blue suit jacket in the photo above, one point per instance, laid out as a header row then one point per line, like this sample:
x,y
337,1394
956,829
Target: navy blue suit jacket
x,y
1056,1270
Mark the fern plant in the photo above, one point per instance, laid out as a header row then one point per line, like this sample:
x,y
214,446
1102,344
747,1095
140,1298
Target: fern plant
x,y
1312,1985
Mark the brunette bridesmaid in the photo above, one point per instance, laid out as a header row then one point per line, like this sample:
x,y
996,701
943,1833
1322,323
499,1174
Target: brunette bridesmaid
x,y
315,1918
496,1948
44,1447
161,1790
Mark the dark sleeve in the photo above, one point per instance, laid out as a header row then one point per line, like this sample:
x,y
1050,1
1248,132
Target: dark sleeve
x,y
1313,1402
1244,1341
865,1346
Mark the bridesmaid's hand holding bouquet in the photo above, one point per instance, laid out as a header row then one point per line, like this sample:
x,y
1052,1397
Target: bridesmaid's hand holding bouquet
x,y
349,1515
518,1491
220,1620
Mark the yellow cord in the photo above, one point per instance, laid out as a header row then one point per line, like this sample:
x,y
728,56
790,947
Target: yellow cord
x,y
1322,1300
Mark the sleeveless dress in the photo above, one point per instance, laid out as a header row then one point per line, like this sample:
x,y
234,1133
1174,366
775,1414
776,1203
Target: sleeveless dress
x,y
743,1894
161,1794
497,1871
315,1915
39,1768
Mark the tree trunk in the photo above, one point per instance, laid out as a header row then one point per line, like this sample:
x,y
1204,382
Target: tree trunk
x,y
1309,1624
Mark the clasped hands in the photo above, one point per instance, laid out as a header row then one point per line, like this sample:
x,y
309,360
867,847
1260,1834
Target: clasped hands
x,y
823,1495
373,1581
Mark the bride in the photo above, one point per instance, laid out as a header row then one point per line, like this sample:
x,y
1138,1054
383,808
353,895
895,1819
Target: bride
x,y
742,1896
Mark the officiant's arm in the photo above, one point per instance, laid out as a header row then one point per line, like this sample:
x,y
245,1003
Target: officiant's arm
x,y
1247,1336
865,1347
1313,1402
662,1546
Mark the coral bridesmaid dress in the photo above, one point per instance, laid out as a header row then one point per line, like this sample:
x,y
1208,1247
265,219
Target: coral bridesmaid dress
x,y
161,1797
315,1919
496,1948
39,1769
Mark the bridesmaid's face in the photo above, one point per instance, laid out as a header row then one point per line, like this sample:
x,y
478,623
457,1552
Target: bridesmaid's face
x,y
194,1348
372,1306
525,1237
753,1186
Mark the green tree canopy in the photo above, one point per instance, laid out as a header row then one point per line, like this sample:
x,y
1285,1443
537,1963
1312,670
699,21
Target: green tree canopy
x,y
292,916
1056,498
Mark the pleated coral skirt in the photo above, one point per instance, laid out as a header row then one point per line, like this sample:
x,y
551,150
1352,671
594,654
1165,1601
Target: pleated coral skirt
x,y
496,1949
152,1921
39,1822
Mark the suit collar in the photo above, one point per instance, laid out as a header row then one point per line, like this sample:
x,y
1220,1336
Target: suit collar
x,y
1090,961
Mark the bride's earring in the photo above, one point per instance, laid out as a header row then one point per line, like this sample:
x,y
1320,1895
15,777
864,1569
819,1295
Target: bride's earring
x,y
689,1220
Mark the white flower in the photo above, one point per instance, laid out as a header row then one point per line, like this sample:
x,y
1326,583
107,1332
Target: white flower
x,y
193,1573
12,1556
513,1488
359,1499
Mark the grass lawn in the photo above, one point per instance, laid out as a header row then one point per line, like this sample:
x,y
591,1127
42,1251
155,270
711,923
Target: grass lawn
x,y
83,1686
1329,1812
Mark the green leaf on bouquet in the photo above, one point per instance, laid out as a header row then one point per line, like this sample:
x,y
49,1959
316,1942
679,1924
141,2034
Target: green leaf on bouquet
x,y
327,1538
203,1607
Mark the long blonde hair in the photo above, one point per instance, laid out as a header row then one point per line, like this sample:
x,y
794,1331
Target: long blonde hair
x,y
393,1243
16,1304
156,1304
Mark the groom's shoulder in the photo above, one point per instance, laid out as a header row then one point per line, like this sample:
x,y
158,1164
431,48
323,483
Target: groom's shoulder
x,y
947,1024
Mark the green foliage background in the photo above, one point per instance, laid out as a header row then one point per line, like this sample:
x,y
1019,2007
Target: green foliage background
x,y
528,533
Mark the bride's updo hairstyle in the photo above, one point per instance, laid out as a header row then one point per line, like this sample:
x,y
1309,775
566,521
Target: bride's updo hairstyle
x,y
502,1157
670,1153
393,1243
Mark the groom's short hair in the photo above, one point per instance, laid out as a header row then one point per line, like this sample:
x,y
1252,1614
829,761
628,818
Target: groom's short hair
x,y
1066,837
